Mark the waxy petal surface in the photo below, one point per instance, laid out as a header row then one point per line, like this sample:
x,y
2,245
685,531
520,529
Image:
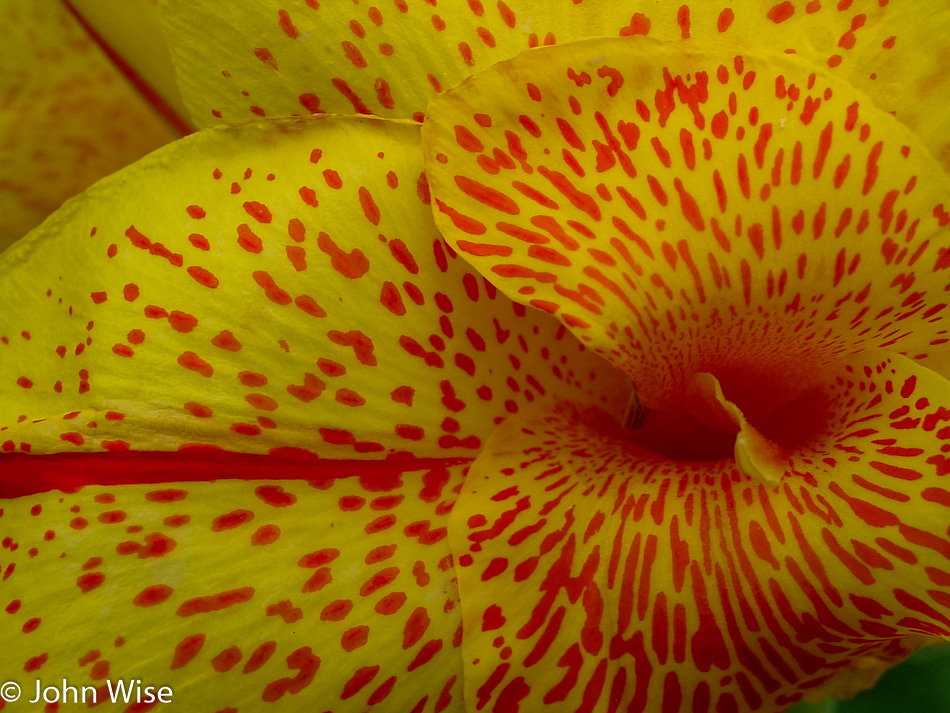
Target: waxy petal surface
x,y
67,116
275,285
646,584
334,595
689,209
297,56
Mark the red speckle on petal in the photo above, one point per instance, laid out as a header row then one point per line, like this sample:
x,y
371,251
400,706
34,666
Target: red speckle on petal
x,y
781,12
203,277
275,496
248,240
265,535
337,610
88,582
403,395
226,340
725,20
353,264
72,437
151,596
639,25
170,495
187,649
358,681
182,321
231,520
199,410
260,212
287,25
192,361
215,602
227,659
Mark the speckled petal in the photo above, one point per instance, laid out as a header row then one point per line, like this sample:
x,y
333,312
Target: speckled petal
x,y
689,210
649,584
276,285
335,595
67,115
295,56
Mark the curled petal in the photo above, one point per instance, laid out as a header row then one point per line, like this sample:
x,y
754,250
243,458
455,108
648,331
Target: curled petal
x,y
648,581
684,210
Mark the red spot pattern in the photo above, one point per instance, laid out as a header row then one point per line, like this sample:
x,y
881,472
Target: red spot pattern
x,y
303,659
269,252
351,264
91,581
219,630
627,295
231,520
186,650
151,596
716,536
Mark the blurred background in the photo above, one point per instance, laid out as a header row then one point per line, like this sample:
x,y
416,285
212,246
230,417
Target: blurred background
x,y
86,87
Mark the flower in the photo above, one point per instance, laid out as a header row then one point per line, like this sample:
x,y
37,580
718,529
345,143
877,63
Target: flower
x,y
401,444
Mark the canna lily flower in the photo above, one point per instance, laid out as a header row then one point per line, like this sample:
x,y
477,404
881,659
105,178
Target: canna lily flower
x,y
617,383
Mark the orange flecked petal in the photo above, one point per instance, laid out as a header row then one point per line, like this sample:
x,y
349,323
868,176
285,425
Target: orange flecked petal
x,y
276,58
648,584
696,210
337,595
276,285
67,116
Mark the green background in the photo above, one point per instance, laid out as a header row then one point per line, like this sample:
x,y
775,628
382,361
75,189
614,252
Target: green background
x,y
919,685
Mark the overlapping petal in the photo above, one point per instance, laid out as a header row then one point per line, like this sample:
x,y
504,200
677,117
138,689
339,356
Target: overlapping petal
x,y
271,286
131,33
67,116
299,56
687,210
335,594
650,584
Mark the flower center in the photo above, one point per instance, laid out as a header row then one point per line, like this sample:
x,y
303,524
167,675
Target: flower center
x,y
755,422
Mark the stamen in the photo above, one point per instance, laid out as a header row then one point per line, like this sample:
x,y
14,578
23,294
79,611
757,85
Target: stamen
x,y
756,456
636,411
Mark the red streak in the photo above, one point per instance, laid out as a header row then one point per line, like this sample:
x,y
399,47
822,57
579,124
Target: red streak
x,y
22,474
158,103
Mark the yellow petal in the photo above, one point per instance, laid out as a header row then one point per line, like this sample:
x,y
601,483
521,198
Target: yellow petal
x,y
67,116
332,596
686,209
646,583
276,58
132,32
892,52
275,285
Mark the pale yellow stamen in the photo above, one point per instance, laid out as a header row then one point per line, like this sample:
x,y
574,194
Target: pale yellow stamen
x,y
756,456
